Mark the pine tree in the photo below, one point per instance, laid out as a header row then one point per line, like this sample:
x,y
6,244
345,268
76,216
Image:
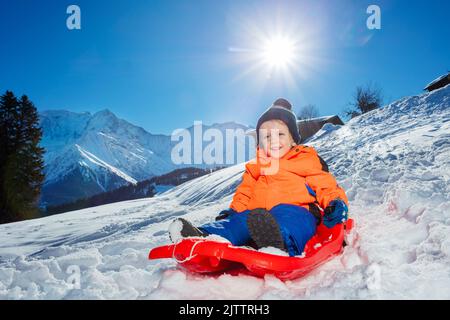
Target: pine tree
x,y
22,162
30,156
8,114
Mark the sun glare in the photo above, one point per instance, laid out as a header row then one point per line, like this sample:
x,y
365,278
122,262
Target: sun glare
x,y
278,52
282,53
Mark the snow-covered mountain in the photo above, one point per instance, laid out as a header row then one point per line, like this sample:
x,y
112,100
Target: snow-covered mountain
x,y
393,162
91,153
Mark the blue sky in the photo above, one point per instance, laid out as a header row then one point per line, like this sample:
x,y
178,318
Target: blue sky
x,y
163,64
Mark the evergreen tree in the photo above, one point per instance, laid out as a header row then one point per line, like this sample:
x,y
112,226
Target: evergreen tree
x,y
8,113
22,162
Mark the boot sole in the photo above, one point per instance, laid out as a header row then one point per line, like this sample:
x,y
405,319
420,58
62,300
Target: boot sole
x,y
264,230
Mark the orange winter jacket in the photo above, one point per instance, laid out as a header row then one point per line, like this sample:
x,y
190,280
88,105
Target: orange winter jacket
x,y
300,167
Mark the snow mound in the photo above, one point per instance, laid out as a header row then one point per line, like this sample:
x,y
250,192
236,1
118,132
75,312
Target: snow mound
x,y
393,162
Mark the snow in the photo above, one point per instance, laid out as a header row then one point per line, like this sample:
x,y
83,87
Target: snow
x,y
326,129
275,251
393,162
175,230
92,158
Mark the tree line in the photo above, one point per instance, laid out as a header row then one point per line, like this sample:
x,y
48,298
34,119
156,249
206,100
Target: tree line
x,y
21,159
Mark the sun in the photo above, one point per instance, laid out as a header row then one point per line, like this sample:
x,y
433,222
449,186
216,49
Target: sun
x,y
283,54
278,52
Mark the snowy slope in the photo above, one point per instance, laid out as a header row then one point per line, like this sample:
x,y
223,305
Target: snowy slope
x,y
91,153
393,162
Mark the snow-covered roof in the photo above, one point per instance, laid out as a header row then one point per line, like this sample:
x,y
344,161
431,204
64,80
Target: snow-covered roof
x,y
436,81
317,119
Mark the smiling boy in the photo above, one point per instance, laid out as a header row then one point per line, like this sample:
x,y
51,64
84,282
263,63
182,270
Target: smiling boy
x,y
278,203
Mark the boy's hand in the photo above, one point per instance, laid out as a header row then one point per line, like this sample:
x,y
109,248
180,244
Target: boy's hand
x,y
224,214
336,212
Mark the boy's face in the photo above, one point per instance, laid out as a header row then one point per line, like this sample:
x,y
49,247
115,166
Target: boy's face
x,y
275,138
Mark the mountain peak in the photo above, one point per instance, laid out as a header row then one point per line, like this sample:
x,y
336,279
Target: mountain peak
x,y
103,119
104,113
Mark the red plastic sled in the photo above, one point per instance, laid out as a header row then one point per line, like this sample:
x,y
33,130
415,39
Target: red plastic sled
x,y
206,256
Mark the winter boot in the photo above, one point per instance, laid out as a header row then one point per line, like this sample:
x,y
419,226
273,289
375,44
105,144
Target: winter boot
x,y
264,230
181,228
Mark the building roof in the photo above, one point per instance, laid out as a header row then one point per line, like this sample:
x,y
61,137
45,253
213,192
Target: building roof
x,y
435,81
324,118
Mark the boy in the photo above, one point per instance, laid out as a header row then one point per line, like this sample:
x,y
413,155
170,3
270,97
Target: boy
x,y
277,203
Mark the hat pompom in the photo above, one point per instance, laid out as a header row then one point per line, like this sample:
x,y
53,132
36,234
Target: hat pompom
x,y
283,103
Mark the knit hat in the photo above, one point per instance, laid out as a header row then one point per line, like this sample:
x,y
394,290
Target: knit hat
x,y
281,109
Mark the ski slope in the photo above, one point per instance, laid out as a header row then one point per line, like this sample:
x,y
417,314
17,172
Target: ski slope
x,y
393,162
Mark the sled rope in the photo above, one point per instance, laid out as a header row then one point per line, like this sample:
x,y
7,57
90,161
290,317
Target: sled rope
x,y
191,255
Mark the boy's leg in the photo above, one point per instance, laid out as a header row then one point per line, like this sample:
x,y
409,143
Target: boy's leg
x,y
297,226
232,228
265,230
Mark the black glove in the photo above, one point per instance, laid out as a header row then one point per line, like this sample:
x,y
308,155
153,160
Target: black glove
x,y
225,214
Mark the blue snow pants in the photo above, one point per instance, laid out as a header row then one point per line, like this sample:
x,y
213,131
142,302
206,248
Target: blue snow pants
x,y
297,226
